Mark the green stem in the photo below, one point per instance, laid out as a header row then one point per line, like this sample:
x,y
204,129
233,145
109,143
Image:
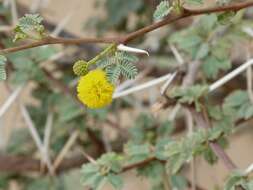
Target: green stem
x,y
110,49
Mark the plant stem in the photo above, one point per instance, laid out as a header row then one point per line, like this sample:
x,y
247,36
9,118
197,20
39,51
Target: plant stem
x,y
203,122
133,35
110,49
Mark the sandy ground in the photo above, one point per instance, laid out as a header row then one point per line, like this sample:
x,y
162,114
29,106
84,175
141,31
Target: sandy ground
x,y
81,10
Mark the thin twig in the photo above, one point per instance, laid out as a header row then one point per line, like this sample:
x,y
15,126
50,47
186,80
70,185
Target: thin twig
x,y
166,183
131,36
187,81
202,122
189,123
20,164
57,40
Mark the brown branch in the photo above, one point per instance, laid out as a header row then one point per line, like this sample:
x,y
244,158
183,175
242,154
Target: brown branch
x,y
131,36
203,122
138,164
19,164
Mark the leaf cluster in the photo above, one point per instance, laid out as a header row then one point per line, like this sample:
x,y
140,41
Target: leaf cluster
x,y
121,63
29,26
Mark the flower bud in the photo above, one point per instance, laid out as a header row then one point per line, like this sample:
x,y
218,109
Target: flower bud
x,y
80,68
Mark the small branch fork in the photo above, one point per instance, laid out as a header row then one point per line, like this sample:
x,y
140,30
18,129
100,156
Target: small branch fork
x,y
133,35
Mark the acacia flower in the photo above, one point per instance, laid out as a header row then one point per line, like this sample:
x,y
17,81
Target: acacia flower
x,y
94,90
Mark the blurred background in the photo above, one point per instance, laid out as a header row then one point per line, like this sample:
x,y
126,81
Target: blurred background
x,y
87,18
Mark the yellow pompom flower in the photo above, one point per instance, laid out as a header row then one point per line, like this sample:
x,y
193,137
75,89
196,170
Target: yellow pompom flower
x,y
94,90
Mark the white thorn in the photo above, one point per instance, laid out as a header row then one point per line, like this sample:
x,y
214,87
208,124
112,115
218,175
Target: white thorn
x,y
70,142
48,130
248,31
173,112
230,75
122,47
46,142
10,100
177,55
249,83
35,135
143,86
166,85
249,169
131,82
32,128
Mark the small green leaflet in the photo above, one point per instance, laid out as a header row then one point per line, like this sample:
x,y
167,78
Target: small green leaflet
x,y
119,10
106,169
226,17
237,179
179,152
137,153
115,180
2,67
239,105
178,182
162,10
29,26
113,73
128,70
223,2
189,95
187,41
154,170
212,66
120,64
203,51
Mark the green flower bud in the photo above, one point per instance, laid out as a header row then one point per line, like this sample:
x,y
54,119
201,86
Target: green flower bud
x,y
80,68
